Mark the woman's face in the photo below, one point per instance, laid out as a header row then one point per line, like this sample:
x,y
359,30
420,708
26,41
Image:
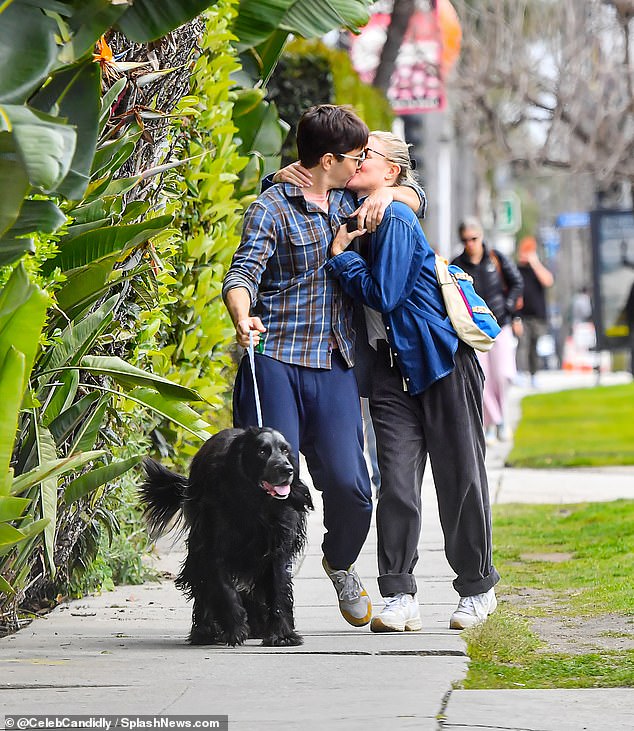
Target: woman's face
x,y
375,172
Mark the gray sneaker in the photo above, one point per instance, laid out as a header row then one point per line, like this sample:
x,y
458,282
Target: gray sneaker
x,y
354,602
400,614
472,610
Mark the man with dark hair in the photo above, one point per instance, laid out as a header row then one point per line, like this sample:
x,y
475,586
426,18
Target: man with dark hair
x,y
328,128
278,292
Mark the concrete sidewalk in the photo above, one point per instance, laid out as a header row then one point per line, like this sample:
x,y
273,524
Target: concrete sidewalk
x,y
124,652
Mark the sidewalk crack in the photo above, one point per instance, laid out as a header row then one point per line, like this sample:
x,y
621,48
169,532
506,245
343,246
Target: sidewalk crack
x,y
440,716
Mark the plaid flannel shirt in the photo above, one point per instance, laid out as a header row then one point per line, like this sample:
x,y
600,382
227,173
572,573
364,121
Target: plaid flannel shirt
x,y
281,262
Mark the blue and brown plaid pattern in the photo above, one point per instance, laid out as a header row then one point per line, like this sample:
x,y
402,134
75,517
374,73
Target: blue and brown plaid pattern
x,y
280,261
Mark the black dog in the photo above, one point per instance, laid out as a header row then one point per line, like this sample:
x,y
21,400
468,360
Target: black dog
x,y
245,508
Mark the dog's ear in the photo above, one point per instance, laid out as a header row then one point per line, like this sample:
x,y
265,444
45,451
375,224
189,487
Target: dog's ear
x,y
242,460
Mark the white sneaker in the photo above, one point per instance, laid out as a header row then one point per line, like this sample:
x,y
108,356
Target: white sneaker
x,y
354,602
472,610
400,614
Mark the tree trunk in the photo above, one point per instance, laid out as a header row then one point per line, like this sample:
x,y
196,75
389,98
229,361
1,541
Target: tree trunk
x,y
401,13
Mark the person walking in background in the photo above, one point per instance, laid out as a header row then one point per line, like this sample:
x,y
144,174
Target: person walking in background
x,y
532,308
425,397
497,280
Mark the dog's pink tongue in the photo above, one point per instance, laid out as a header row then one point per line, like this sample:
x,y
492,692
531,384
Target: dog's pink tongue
x,y
279,490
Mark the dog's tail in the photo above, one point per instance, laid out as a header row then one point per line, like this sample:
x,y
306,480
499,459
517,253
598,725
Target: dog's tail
x,y
162,495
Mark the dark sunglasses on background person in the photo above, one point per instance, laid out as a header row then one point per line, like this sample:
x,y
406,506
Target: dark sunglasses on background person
x,y
469,239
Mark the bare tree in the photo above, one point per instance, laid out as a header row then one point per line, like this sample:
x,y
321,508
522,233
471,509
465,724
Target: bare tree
x,y
548,83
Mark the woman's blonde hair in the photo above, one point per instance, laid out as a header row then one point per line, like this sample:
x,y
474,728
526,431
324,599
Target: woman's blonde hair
x,y
396,151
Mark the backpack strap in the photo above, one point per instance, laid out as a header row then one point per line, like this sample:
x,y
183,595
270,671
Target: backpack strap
x,y
443,322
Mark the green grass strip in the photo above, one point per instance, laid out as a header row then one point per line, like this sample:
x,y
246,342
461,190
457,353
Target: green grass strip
x,y
579,427
604,670
558,563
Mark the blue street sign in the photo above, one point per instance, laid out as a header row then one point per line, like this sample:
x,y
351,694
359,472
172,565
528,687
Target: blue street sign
x,y
551,240
580,219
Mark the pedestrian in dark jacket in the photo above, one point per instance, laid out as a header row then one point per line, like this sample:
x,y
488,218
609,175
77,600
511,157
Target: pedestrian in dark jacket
x,y
497,280
532,308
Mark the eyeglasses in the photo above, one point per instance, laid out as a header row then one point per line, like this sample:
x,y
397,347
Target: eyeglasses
x,y
375,152
412,162
359,158
469,239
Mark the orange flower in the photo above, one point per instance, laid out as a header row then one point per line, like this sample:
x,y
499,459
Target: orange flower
x,y
104,54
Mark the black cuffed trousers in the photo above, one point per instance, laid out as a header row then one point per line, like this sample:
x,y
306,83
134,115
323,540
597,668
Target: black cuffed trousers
x,y
444,422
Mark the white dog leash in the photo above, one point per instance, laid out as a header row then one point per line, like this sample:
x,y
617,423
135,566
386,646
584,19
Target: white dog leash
x,y
251,351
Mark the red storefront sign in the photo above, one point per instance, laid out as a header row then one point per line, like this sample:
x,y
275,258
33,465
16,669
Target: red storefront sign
x,y
416,84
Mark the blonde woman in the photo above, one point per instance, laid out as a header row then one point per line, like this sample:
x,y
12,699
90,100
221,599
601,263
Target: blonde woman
x,y
425,399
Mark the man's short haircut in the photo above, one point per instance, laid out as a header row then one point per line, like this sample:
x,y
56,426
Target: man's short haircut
x,y
329,128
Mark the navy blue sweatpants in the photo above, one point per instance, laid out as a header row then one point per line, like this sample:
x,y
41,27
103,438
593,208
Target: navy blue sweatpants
x,y
318,411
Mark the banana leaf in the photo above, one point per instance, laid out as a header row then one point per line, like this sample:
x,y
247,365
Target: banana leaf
x,y
89,20
30,530
75,94
12,250
314,18
55,468
97,244
62,396
258,19
11,508
22,315
108,100
87,435
263,132
14,184
63,425
9,535
90,481
169,408
5,587
268,53
37,215
78,337
148,20
27,51
47,453
130,376
85,285
45,144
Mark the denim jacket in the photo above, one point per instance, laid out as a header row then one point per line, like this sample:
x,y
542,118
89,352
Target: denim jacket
x,y
399,280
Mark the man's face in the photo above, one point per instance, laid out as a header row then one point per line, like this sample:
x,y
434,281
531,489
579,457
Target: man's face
x,y
376,171
344,167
